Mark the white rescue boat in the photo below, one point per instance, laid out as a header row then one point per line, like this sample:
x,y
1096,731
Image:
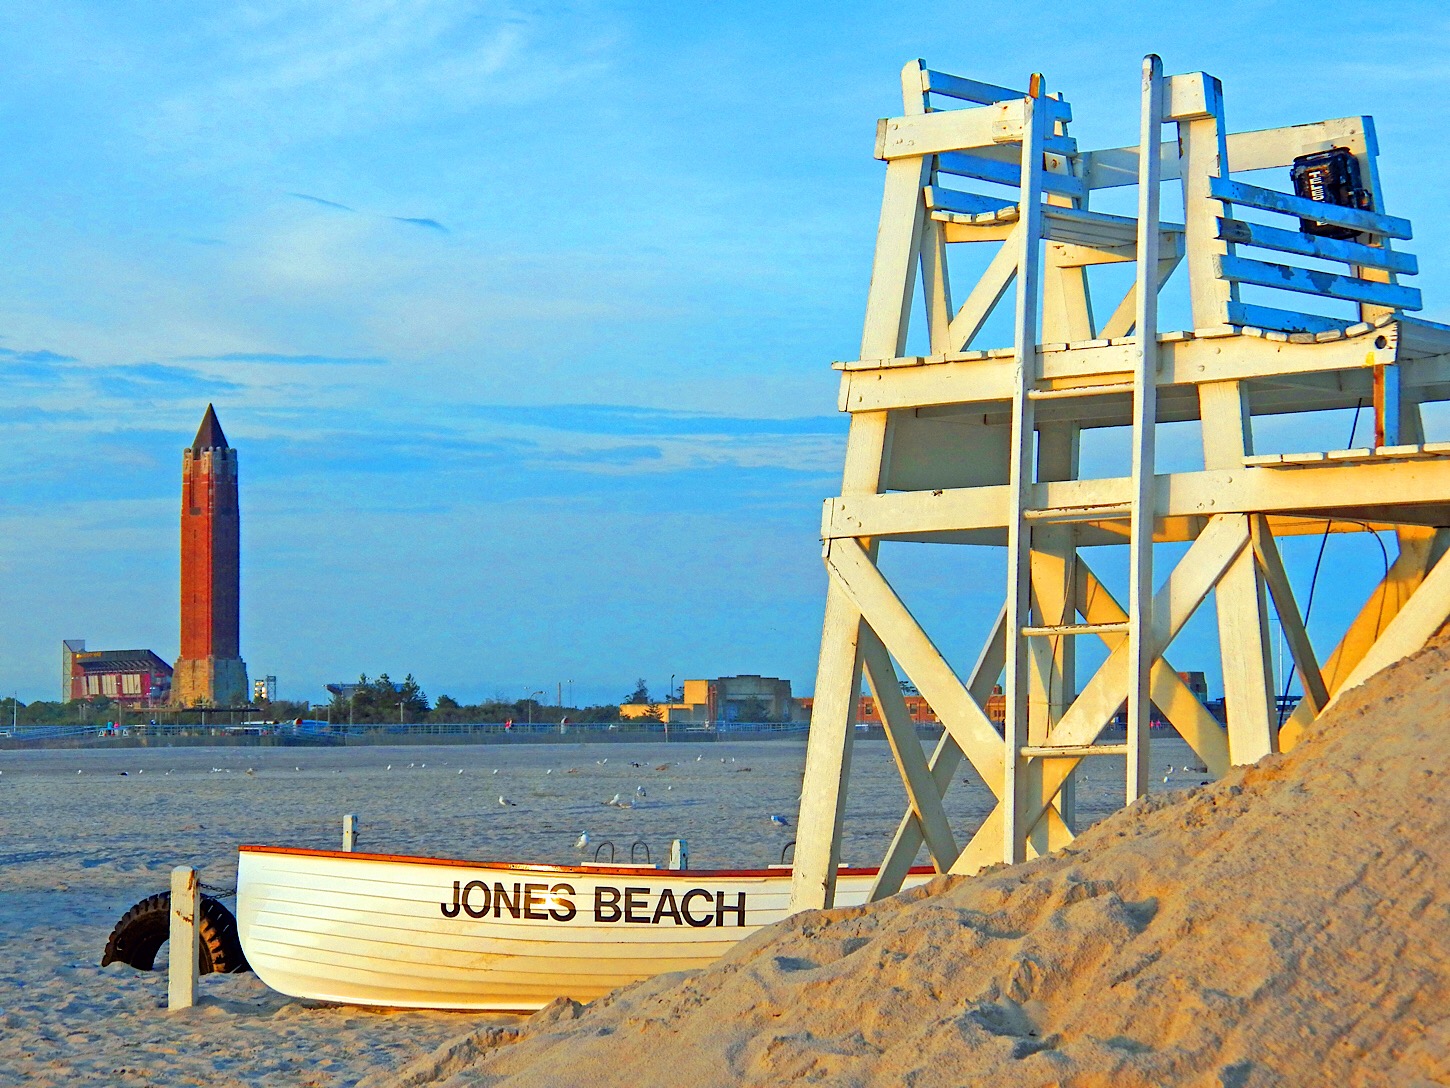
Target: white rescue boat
x,y
435,933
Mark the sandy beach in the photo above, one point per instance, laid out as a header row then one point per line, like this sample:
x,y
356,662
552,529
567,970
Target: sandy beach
x,y
1283,926
83,841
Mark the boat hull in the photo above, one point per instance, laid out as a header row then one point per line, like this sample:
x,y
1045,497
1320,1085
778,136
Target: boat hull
x,y
435,933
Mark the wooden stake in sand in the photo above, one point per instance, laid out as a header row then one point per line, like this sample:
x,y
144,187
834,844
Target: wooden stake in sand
x,y
183,971
979,441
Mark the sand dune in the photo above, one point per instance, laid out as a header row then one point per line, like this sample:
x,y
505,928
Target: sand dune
x,y
1288,925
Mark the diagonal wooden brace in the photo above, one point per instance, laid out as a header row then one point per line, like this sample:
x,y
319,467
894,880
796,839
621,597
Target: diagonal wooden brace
x,y
921,790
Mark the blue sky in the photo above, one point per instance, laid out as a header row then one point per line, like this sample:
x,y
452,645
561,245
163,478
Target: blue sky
x,y
521,315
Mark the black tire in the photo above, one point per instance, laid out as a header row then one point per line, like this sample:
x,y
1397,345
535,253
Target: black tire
x,y
144,928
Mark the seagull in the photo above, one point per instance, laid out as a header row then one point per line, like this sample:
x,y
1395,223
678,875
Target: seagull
x,y
635,763
603,761
780,821
460,770
549,771
613,800
422,765
80,772
698,758
505,801
639,791
495,770
124,774
583,841
390,766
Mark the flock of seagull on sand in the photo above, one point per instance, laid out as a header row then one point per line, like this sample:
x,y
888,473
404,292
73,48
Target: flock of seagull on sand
x,y
617,801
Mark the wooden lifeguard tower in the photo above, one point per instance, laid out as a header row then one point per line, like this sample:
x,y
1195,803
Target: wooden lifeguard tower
x,y
980,446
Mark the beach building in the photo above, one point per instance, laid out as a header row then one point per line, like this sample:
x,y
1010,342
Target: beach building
x,y
134,678
746,698
210,670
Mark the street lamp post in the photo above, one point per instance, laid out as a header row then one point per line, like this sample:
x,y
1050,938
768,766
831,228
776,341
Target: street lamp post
x,y
530,702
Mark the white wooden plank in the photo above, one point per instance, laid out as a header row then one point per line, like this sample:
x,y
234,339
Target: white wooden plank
x,y
1254,196
1313,245
183,969
1145,416
944,763
1311,281
954,200
965,90
1268,317
949,130
1170,694
921,791
985,295
923,663
1266,551
1310,491
1036,122
1413,625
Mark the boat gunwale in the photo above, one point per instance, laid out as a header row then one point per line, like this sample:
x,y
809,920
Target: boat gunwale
x,y
538,867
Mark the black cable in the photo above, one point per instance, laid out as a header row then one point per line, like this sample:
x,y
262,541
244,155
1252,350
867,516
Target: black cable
x,y
1314,578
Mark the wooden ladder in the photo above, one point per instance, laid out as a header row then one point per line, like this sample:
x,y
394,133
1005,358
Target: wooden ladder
x,y
1023,786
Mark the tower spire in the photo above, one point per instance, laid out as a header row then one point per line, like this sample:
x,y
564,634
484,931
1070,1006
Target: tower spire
x,y
209,435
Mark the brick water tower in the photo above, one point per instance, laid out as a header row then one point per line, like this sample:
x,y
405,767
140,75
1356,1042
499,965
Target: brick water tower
x,y
210,671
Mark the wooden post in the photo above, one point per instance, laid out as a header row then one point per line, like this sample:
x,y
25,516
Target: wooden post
x,y
868,453
1020,476
1145,420
183,972
679,854
349,832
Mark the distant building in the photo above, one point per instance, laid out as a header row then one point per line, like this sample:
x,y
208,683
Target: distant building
x,y
131,677
917,708
210,670
747,698
264,689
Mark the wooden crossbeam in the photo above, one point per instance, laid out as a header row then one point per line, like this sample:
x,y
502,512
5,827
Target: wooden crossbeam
x,y
943,763
1419,548
1414,624
1171,695
983,298
1311,491
911,762
1277,579
984,379
963,130
958,712
1222,541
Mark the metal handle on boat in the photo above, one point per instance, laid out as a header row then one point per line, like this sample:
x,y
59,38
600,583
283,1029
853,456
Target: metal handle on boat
x,y
634,852
601,846
788,846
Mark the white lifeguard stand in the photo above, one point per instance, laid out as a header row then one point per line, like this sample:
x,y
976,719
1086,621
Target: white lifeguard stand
x,y
981,446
